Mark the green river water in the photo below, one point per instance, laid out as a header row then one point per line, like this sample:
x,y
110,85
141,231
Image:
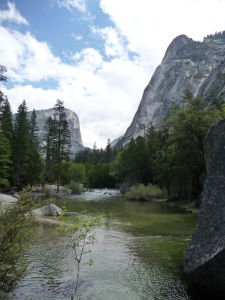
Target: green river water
x,y
138,254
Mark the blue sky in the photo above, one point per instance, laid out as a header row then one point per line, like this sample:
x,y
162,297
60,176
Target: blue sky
x,y
61,26
96,55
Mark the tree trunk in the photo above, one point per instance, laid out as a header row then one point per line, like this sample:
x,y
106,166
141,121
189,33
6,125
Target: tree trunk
x,y
58,178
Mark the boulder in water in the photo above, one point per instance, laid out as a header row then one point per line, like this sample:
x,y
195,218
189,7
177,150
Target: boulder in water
x,y
47,210
6,200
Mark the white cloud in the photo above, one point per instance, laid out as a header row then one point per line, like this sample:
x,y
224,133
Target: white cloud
x,y
105,93
149,26
114,42
12,15
71,4
88,59
77,37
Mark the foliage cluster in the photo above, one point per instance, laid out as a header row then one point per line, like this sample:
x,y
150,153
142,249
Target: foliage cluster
x,y
56,143
171,156
75,187
21,163
140,192
97,166
15,234
20,160
80,233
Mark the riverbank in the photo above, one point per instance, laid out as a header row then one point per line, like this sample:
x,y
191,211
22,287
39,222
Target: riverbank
x,y
189,207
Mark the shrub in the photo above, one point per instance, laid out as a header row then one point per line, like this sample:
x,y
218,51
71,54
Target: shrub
x,y
46,190
75,187
140,192
70,171
16,231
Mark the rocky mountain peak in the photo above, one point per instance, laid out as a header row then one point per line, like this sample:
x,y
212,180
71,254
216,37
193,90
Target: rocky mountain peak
x,y
174,49
187,65
74,127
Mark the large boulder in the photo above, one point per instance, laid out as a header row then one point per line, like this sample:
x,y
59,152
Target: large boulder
x,y
47,210
204,258
6,200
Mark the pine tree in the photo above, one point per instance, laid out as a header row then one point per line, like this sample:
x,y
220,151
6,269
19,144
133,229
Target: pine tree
x,y
6,120
6,131
63,138
56,141
49,147
36,165
5,161
21,147
2,96
108,152
34,128
2,71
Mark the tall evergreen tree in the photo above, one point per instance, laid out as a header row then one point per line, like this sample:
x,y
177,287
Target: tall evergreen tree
x,y
49,147
6,120
5,161
34,128
56,141
21,147
36,164
2,96
63,138
2,71
108,152
6,131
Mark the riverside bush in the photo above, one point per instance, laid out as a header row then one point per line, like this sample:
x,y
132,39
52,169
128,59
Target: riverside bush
x,y
140,192
16,230
75,187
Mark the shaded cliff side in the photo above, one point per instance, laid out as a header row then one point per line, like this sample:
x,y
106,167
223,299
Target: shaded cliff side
x,y
204,258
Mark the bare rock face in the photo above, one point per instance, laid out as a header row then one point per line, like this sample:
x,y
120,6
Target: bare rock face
x,y
204,258
187,64
47,210
74,127
6,200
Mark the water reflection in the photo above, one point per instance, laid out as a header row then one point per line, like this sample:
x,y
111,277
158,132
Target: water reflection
x,y
137,256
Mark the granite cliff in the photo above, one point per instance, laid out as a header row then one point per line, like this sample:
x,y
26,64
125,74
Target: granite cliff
x,y
187,65
74,126
204,258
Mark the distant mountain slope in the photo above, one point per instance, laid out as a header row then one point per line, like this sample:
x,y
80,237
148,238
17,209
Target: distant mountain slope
x,y
74,126
187,64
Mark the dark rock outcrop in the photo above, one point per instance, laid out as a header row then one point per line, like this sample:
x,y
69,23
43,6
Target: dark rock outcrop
x,y
204,258
187,65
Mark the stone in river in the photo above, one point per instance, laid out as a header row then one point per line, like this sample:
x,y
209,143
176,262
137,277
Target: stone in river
x,y
47,210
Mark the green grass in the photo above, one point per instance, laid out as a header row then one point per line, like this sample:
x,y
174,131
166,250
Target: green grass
x,y
141,192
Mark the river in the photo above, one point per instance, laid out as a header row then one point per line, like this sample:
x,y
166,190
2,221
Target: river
x,y
138,253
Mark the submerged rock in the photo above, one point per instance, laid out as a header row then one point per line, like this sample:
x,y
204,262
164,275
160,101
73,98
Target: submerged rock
x,y
47,210
204,258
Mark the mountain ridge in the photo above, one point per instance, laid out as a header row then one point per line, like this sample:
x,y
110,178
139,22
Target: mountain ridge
x,y
187,65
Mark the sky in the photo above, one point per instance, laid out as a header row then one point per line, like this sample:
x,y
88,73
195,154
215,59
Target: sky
x,y
95,55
